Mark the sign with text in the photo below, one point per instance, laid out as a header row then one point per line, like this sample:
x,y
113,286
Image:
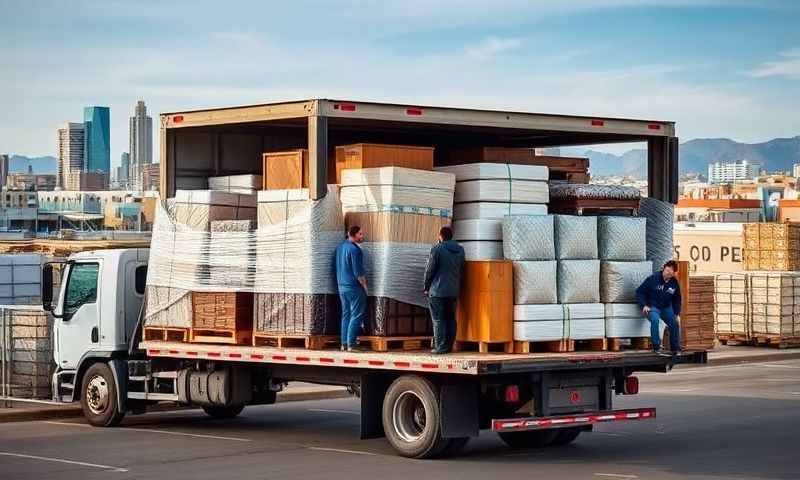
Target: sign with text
x,y
714,250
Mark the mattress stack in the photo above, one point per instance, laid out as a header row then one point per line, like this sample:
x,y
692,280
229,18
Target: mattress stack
x,y
487,192
401,211
623,267
294,280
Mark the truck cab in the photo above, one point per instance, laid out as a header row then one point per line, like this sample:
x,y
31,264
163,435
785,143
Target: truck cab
x,y
96,312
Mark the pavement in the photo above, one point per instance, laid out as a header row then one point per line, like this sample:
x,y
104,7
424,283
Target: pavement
x,y
18,411
722,421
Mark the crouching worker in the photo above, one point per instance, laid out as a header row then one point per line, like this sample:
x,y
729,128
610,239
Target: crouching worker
x,y
442,284
659,297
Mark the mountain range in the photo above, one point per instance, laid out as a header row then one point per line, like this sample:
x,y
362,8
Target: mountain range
x,y
40,165
778,154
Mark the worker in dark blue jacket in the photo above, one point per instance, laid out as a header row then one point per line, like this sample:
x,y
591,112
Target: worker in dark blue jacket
x,y
351,280
659,297
442,285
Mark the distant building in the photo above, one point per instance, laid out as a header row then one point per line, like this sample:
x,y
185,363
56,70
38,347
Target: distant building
x,y
18,210
71,139
4,164
97,150
31,182
730,172
151,175
796,170
141,144
124,168
86,181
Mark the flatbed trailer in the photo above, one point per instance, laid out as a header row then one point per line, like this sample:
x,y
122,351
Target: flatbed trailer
x,y
426,405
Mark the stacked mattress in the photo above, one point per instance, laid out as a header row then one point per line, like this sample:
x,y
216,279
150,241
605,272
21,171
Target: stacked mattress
x,y
401,211
487,192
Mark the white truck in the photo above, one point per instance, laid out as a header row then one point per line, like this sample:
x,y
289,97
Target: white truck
x,y
426,405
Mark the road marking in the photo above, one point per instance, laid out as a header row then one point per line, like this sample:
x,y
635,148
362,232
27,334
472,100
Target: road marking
x,y
609,434
339,450
325,410
71,462
794,393
778,365
163,432
615,475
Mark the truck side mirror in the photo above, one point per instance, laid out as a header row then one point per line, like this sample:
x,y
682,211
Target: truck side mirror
x,y
47,287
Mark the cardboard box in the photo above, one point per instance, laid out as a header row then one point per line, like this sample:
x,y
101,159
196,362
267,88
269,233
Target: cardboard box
x,y
486,304
373,155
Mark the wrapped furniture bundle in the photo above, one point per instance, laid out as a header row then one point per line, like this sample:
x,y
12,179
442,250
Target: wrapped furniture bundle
x,y
410,206
619,280
575,237
535,282
622,238
578,281
528,238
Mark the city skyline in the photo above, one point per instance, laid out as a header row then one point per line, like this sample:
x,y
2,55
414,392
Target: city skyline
x,y
709,65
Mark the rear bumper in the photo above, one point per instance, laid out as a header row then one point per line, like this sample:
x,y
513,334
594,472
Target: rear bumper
x,y
574,420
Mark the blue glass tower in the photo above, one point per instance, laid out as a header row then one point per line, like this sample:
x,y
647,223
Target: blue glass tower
x,y
97,144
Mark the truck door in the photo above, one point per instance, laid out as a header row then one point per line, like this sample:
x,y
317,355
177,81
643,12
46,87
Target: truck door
x,y
136,275
78,331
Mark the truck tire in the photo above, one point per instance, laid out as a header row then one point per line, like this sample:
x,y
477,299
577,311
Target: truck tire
x,y
529,439
231,411
99,397
566,436
411,418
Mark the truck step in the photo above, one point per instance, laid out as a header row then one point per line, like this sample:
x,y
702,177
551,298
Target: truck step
x,y
309,342
166,334
483,347
387,344
228,336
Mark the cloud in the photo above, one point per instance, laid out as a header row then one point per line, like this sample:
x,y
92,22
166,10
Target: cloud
x,y
492,46
788,66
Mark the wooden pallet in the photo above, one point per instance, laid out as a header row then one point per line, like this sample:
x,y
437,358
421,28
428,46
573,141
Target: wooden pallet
x,y
385,344
638,343
775,341
220,335
166,334
483,347
594,345
309,342
561,346
734,339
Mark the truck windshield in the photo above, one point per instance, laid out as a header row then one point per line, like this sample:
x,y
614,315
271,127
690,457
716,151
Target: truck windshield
x,y
82,286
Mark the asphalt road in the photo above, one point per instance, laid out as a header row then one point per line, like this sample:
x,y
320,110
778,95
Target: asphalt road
x,y
736,421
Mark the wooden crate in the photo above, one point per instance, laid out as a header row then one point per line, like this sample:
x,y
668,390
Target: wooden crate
x,y
373,155
285,170
485,311
165,334
309,342
697,313
222,317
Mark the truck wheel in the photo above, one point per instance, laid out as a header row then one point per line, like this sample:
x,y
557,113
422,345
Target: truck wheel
x,y
231,411
411,418
566,436
529,439
99,397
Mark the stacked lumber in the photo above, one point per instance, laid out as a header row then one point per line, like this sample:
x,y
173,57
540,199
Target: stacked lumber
x,y
571,169
775,308
731,307
372,155
222,317
772,246
697,317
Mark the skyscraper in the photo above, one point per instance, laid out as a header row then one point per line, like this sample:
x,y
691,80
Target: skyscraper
x,y
124,167
141,144
4,164
71,139
97,149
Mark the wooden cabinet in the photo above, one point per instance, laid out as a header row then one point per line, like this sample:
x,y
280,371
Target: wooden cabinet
x,y
485,309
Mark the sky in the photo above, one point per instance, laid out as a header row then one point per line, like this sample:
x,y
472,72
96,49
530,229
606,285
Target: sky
x,y
718,68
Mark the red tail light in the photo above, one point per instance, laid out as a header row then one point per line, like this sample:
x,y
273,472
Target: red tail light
x,y
512,394
413,111
177,119
345,107
598,123
631,386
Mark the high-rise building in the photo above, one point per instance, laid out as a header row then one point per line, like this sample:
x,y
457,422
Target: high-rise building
x,y
124,167
796,170
141,144
97,148
4,164
730,172
70,151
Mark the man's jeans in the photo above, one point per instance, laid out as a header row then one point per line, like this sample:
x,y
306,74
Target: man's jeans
x,y
668,316
354,308
443,313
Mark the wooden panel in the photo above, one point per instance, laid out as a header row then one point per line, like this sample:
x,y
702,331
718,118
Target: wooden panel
x,y
486,304
397,227
222,310
285,170
373,155
520,156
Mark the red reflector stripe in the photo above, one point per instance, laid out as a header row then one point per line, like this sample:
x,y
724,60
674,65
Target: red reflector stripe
x,y
350,361
654,126
173,352
279,357
177,119
413,111
598,123
235,355
376,363
402,364
153,352
194,354
256,356
214,354
326,360
302,359
345,107
429,365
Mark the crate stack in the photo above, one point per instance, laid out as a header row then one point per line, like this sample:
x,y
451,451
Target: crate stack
x,y
623,267
697,317
771,246
774,299
401,211
26,352
732,307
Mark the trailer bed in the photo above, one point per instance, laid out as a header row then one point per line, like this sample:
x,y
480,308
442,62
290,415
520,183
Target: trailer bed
x,y
464,363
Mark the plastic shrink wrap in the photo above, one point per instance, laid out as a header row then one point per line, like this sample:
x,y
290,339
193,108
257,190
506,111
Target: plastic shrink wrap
x,y
528,237
622,238
619,280
578,281
535,282
575,237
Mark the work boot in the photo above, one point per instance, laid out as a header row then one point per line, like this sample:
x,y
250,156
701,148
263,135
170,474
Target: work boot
x,y
357,348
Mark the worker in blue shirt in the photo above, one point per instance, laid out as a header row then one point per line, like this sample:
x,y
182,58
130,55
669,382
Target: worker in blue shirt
x,y
442,286
352,282
659,297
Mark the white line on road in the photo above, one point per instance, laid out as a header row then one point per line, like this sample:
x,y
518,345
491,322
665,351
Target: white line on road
x,y
324,410
778,365
338,450
163,432
615,475
61,460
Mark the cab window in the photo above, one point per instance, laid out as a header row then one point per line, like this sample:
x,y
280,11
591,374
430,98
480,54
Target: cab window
x,y
81,286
